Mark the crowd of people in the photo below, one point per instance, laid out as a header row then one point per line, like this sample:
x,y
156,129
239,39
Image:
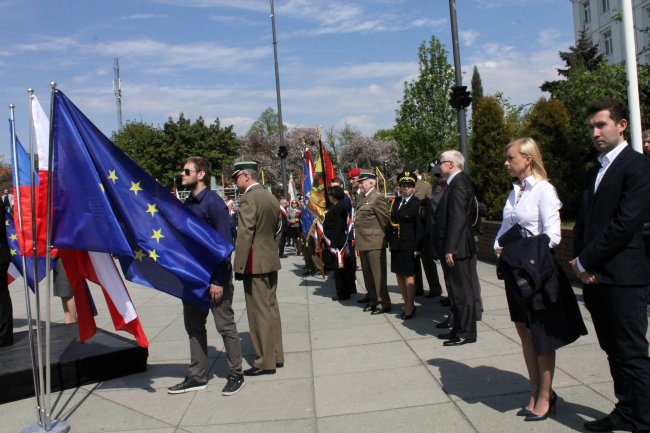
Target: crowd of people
x,y
435,224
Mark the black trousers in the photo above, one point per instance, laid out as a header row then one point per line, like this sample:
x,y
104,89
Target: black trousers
x,y
6,310
620,317
345,278
465,294
425,261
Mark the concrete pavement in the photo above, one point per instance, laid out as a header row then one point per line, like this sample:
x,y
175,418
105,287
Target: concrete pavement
x,y
345,371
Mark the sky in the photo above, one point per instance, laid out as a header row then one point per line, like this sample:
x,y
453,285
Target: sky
x,y
340,61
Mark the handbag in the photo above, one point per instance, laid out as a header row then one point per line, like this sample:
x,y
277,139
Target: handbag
x,y
512,234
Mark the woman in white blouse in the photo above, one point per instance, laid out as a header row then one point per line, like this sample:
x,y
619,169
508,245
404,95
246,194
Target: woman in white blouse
x,y
534,204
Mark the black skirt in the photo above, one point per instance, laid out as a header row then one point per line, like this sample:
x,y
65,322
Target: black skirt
x,y
402,262
556,326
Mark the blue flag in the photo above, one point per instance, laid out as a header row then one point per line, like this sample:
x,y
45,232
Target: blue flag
x,y
16,259
105,202
306,217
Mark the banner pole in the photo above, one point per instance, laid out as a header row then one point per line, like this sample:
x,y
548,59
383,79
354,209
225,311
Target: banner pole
x,y
30,325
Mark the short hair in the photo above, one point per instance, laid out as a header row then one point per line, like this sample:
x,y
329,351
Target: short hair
x,y
456,157
201,164
529,147
337,192
646,134
254,174
617,109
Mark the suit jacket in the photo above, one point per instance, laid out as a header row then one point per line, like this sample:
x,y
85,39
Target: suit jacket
x,y
257,225
5,256
410,234
371,221
607,234
335,224
454,217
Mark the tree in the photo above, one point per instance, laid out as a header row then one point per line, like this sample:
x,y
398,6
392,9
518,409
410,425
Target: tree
x,y
584,56
491,134
477,87
267,123
425,123
384,134
548,124
368,154
161,153
144,144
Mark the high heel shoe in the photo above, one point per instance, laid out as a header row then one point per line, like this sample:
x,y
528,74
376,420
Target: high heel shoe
x,y
524,412
552,408
405,316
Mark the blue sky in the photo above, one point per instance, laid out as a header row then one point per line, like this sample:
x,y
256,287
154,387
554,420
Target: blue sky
x,y
340,60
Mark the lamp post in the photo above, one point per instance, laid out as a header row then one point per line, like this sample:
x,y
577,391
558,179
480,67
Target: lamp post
x,y
460,98
282,149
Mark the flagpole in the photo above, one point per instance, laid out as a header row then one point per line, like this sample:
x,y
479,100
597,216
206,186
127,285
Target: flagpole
x,y
30,325
39,338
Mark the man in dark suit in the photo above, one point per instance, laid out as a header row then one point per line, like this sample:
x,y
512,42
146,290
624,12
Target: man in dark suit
x,y
335,230
454,241
6,309
610,261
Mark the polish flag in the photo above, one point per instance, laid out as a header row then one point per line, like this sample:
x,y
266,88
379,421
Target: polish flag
x,y
100,269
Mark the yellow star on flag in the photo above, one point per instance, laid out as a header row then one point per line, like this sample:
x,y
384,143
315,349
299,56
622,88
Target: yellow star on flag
x,y
13,237
13,252
157,235
139,254
151,208
153,255
6,222
112,176
135,187
102,188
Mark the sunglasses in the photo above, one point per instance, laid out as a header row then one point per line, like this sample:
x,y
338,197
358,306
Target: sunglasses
x,y
187,171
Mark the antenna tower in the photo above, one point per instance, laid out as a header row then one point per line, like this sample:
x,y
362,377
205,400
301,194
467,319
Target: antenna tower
x,y
117,90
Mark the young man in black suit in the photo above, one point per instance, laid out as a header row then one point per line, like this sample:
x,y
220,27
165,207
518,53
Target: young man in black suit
x,y
456,249
610,261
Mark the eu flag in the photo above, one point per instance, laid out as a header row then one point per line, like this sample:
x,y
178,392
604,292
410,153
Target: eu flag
x,y
104,202
306,217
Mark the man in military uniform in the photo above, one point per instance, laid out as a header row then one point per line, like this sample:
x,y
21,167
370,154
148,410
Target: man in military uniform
x,y
371,222
257,225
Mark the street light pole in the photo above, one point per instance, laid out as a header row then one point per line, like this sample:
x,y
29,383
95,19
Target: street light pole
x,y
460,110
282,150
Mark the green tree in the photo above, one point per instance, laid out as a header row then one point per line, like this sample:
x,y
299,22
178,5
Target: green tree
x,y
477,87
267,123
425,123
584,56
384,134
548,124
491,134
143,144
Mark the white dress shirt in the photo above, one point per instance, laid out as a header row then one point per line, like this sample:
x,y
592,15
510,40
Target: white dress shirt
x,y
538,210
606,160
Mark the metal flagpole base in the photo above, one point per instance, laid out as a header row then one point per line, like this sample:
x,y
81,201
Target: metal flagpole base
x,y
58,426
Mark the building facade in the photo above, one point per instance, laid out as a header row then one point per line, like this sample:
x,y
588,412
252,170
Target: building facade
x,y
602,21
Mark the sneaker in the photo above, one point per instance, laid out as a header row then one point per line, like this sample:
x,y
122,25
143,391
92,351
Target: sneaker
x,y
186,386
235,383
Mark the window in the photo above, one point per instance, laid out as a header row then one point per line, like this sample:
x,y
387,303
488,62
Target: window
x,y
608,45
586,12
605,5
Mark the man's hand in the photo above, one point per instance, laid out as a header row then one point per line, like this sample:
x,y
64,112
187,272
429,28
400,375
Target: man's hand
x,y
449,258
498,252
586,277
216,293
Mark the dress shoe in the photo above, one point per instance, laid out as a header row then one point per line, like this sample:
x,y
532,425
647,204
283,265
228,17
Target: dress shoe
x,y
405,316
551,409
608,423
279,364
459,341
254,371
363,301
381,310
448,336
433,294
370,308
523,412
443,325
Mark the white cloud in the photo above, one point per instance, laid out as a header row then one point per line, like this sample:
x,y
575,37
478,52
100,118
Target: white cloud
x,y
233,20
548,37
371,70
143,17
468,37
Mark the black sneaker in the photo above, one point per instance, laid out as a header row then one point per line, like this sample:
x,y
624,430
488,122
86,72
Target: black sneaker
x,y
186,386
235,383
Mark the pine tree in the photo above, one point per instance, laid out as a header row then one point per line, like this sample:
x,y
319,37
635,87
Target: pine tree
x,y
477,87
